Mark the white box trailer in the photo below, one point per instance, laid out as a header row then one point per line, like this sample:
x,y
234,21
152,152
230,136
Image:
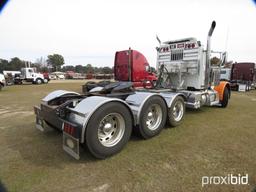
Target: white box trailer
x,y
13,73
103,119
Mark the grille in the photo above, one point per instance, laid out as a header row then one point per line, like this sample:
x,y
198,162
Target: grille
x,y
177,55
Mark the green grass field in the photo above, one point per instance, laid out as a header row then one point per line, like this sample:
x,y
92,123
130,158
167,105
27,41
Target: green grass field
x,y
211,142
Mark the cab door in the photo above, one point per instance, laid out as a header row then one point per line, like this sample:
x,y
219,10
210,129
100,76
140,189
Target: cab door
x,y
29,73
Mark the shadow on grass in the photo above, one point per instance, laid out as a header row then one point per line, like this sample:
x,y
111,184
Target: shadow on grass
x,y
2,187
195,111
43,148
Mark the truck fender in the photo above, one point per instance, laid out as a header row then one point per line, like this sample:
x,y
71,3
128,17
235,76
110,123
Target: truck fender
x,y
170,96
57,93
221,87
136,101
82,113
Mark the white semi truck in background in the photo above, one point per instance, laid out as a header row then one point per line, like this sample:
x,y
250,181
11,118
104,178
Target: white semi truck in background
x,y
27,74
102,119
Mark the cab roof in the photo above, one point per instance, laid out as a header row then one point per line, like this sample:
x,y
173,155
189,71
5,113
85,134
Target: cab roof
x,y
180,40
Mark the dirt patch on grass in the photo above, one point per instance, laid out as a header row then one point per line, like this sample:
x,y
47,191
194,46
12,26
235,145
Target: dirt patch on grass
x,y
14,112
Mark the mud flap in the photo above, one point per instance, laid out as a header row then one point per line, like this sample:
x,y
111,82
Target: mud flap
x,y
40,124
71,145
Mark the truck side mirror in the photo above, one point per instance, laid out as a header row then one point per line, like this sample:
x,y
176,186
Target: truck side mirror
x,y
147,68
224,58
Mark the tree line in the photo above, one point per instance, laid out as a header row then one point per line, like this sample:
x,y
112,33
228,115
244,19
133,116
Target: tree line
x,y
53,63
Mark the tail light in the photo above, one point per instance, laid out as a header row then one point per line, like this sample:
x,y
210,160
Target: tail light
x,y
67,128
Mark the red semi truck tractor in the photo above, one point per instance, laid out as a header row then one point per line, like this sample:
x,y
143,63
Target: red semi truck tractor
x,y
102,119
131,65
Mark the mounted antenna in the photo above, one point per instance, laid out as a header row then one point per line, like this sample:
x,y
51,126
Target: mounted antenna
x,y
157,38
129,64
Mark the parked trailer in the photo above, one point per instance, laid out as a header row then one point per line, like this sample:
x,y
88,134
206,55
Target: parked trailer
x,y
242,74
103,119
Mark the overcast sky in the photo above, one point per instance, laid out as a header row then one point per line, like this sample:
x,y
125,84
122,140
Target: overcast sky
x,y
90,31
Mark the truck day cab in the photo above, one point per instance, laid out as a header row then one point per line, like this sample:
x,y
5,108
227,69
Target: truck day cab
x,y
103,119
29,74
130,66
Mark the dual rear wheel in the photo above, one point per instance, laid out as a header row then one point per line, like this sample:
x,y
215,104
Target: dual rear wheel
x,y
108,130
40,81
110,127
155,113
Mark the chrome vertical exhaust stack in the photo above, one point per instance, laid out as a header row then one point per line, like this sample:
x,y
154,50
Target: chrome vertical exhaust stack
x,y
212,28
208,54
209,38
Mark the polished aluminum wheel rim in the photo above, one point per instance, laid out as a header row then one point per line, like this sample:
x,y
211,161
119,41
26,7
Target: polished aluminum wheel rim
x,y
111,129
154,117
178,111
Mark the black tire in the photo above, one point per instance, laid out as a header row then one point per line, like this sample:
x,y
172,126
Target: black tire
x,y
224,101
178,102
150,127
46,81
94,143
39,81
1,86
